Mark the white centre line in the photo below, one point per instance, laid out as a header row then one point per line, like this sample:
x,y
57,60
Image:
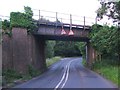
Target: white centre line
x,y
61,78
65,76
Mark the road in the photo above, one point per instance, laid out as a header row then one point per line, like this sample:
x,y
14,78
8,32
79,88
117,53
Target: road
x,y
68,73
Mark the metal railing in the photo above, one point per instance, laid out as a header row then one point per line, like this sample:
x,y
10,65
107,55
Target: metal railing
x,y
63,18
44,16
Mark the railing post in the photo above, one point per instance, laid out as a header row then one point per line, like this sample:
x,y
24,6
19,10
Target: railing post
x,y
96,20
84,22
61,23
70,22
56,18
39,16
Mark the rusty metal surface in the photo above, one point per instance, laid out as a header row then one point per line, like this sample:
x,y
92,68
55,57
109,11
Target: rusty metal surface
x,y
54,33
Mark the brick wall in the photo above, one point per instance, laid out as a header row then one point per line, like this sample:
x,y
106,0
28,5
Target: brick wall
x,y
21,50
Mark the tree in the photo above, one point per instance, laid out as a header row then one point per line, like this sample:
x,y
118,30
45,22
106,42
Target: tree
x,y
82,47
66,49
50,49
109,8
28,11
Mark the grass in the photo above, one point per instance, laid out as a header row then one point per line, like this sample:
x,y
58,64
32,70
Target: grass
x,y
84,62
11,77
109,71
51,61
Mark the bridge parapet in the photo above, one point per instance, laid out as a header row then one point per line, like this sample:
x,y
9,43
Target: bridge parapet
x,y
51,26
51,31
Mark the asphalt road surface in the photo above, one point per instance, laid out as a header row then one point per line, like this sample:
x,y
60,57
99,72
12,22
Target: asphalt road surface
x,y
68,73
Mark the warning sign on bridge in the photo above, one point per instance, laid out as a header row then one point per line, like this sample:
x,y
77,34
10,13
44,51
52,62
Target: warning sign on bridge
x,y
71,32
63,32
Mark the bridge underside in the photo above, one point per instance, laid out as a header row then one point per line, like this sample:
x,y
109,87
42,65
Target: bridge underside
x,y
62,38
52,32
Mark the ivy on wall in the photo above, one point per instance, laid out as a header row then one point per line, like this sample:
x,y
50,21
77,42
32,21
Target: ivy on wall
x,y
20,20
6,27
23,20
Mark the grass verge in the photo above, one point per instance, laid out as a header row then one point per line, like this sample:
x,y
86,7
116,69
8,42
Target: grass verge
x,y
11,77
51,61
109,71
84,62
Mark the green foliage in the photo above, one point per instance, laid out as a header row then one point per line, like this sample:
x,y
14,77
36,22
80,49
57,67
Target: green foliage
x,y
105,39
28,11
52,60
82,47
67,49
32,71
5,25
19,19
107,68
110,9
11,75
50,49
23,20
101,11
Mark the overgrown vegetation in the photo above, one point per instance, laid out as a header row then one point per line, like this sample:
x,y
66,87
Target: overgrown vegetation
x,y
105,40
50,61
49,52
10,76
32,71
66,49
21,20
108,69
82,47
6,28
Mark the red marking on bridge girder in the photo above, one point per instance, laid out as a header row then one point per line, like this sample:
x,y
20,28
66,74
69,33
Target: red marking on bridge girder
x,y
63,32
71,32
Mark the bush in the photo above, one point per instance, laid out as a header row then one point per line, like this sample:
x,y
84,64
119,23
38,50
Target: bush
x,y
23,20
5,25
11,75
107,68
66,49
18,19
49,49
32,71
52,60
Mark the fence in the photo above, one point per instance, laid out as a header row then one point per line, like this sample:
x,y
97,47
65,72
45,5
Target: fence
x,y
64,18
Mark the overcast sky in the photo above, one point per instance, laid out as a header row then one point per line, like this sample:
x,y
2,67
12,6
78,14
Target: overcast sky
x,y
76,7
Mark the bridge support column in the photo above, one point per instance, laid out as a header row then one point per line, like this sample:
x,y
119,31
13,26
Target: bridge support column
x,y
23,50
90,55
39,54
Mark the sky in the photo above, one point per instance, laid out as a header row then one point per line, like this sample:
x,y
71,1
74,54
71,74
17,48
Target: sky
x,y
76,7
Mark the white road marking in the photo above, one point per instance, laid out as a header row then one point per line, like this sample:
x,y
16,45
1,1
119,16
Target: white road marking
x,y
67,68
61,78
